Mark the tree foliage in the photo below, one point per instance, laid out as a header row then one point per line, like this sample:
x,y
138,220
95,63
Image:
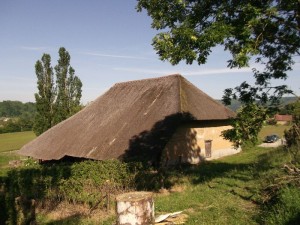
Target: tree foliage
x,y
16,109
292,135
58,97
68,88
16,116
246,125
45,96
266,30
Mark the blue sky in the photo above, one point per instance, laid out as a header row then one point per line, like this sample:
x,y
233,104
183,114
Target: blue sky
x,y
108,41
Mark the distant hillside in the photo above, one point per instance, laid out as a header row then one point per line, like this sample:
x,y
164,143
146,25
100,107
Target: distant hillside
x,y
235,104
16,109
16,116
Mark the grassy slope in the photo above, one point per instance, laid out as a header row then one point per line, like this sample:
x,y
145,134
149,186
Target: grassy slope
x,y
10,142
221,192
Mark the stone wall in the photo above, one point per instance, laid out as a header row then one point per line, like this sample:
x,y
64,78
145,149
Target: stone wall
x,y
187,145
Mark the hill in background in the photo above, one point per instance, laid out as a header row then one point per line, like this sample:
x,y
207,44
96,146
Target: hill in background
x,y
235,104
16,109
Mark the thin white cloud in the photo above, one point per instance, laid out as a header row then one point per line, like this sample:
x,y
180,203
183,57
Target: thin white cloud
x,y
218,71
145,71
113,56
186,72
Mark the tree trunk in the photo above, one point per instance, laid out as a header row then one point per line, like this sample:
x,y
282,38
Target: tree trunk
x,y
135,208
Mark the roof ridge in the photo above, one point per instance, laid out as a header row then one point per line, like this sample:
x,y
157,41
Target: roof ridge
x,y
147,79
180,107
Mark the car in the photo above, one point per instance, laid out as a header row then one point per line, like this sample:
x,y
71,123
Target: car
x,y
271,138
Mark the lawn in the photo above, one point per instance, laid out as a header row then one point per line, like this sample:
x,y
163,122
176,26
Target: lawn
x,y
9,143
225,191
14,141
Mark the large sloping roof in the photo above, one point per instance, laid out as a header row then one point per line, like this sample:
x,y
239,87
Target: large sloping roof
x,y
103,129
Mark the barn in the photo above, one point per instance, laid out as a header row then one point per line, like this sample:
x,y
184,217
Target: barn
x,y
166,120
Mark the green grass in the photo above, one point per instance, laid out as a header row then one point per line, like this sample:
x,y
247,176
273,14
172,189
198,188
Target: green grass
x,y
14,141
9,143
219,192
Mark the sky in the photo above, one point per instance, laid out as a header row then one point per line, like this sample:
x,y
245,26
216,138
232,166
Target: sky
x,y
109,42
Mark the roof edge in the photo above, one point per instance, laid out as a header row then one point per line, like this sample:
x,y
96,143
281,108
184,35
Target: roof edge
x,y
155,78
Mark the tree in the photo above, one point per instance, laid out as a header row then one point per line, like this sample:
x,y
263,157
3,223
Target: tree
x,y
266,30
57,99
45,96
68,88
246,126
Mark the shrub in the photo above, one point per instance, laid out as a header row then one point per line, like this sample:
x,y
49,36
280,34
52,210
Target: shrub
x,y
85,182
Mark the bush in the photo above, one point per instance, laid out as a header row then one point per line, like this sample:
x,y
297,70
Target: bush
x,y
91,181
85,182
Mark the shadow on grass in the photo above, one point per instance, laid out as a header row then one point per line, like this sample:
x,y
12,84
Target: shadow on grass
x,y
153,180
263,162
294,221
245,171
215,169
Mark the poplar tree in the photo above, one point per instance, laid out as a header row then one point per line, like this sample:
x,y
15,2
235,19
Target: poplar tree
x,y
45,96
68,88
57,98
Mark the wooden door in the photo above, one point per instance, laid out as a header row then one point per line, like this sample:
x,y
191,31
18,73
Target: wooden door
x,y
208,148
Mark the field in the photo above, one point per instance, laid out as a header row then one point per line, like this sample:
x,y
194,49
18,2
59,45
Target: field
x,y
9,143
14,141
